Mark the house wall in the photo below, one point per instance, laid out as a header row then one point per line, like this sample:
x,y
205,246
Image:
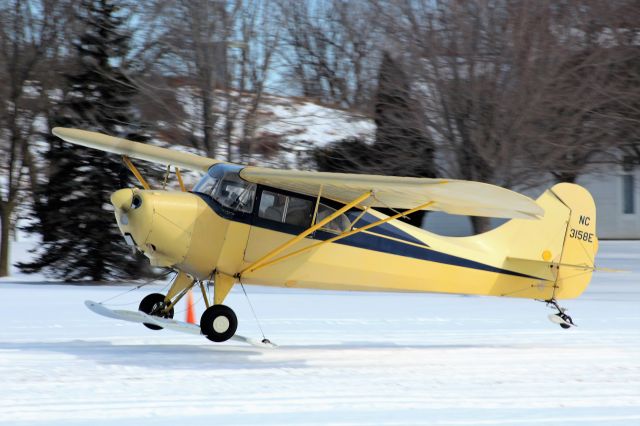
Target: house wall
x,y
608,191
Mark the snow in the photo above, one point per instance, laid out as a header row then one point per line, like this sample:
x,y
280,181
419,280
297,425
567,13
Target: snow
x,y
298,125
344,358
307,121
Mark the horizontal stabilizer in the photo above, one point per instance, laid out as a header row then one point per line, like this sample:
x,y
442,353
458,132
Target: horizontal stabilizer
x,y
536,268
548,265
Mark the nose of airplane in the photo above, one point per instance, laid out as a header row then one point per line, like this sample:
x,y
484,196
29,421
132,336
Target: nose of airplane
x,y
159,223
122,198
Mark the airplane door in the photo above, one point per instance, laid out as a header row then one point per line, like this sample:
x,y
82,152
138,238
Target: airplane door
x,y
280,217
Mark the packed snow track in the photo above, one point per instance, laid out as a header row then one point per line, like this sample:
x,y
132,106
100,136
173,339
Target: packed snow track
x,y
344,358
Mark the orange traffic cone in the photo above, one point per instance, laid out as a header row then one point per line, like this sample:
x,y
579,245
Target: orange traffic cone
x,y
191,313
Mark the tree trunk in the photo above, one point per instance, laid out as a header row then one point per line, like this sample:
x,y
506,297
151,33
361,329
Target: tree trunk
x,y
208,124
5,228
480,224
569,177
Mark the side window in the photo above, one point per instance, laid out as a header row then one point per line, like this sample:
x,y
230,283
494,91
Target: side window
x,y
299,212
285,209
628,192
339,224
272,206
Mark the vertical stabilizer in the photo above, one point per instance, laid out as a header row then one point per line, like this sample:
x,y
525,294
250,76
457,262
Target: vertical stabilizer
x,y
559,248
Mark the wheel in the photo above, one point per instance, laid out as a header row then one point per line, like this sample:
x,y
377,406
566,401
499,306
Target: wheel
x,y
152,304
567,321
219,323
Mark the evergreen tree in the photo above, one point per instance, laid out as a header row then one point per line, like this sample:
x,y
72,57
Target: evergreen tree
x,y
76,220
400,134
401,147
350,155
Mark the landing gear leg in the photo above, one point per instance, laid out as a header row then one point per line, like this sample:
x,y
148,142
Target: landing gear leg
x,y
560,318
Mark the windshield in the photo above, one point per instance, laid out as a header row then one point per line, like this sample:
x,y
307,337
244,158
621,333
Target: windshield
x,y
224,184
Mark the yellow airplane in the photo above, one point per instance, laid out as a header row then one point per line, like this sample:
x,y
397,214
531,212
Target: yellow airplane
x,y
303,229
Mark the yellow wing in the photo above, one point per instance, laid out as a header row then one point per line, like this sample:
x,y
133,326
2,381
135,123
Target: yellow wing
x,y
449,195
137,150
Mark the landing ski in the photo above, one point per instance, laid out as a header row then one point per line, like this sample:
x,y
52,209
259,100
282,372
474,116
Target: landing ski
x,y
170,324
131,316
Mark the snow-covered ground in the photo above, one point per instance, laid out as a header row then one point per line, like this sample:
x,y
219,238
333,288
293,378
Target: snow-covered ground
x,y
344,359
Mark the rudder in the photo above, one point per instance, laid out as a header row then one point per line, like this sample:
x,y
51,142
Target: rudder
x,y
580,246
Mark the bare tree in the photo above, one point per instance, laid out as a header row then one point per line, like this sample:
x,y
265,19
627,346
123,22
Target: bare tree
x,y
210,25
259,32
331,50
30,34
503,83
208,69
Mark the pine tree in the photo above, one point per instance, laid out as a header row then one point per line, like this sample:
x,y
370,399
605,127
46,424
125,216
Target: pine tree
x,y
76,220
400,134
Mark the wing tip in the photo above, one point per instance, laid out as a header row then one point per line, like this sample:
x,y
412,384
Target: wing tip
x,y
59,131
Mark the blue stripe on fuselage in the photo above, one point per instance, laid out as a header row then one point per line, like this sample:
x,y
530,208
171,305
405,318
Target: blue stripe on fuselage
x,y
384,229
373,242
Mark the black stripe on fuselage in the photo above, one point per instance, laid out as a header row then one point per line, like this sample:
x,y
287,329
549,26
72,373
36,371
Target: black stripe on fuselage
x,y
385,245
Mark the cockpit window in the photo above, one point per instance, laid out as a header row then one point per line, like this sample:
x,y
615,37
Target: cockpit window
x,y
224,184
337,225
285,209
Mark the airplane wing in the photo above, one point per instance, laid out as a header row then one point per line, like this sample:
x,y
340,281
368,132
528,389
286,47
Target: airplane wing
x,y
449,195
132,149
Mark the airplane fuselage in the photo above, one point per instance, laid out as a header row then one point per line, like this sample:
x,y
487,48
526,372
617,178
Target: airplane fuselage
x,y
200,233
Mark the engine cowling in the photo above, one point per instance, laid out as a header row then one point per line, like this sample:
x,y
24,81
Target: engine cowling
x,y
168,228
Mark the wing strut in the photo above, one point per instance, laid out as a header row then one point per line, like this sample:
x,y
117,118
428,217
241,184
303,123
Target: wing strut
x,y
143,181
346,234
180,181
136,172
272,253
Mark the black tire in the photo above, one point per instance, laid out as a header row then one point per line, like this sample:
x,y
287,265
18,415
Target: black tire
x,y
221,330
568,322
152,304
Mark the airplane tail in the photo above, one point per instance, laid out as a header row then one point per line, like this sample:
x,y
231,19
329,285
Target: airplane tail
x,y
560,247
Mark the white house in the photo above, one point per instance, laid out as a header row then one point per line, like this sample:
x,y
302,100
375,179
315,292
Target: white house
x,y
616,195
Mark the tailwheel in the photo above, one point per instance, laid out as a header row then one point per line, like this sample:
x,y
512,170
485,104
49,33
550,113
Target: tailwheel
x,y
154,304
560,318
218,323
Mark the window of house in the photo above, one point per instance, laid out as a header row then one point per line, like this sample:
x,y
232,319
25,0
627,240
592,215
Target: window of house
x,y
285,209
628,194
